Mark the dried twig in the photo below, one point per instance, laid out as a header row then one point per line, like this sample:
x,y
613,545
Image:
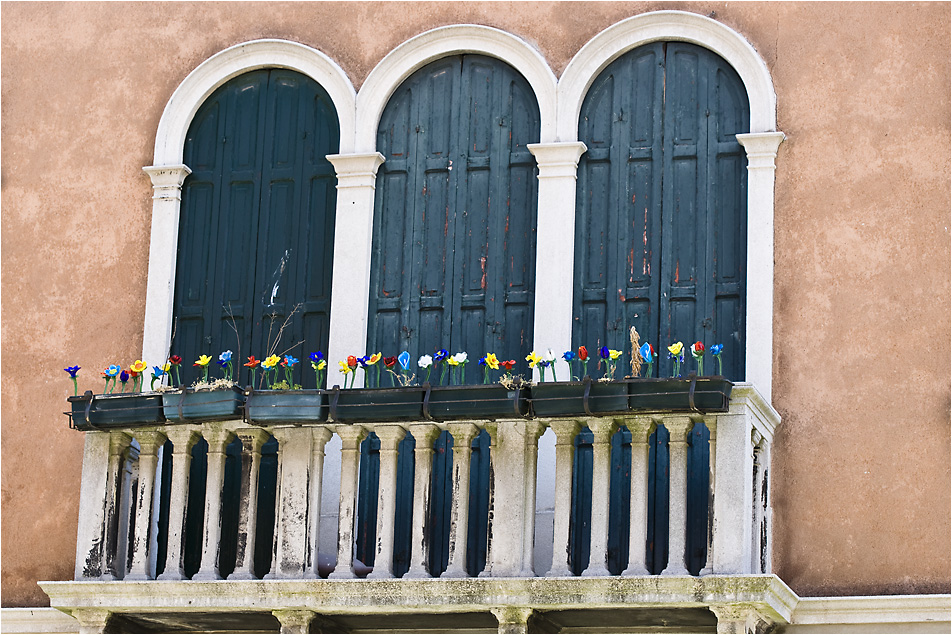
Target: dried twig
x,y
636,358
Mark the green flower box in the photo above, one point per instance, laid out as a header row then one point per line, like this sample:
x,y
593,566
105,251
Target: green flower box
x,y
579,398
354,405
686,394
491,401
285,406
203,405
95,412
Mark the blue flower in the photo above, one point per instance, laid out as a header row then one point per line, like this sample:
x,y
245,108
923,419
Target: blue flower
x,y
717,349
317,357
123,377
568,356
222,363
603,352
482,361
157,371
647,352
72,370
113,370
291,361
225,357
441,355
363,361
404,359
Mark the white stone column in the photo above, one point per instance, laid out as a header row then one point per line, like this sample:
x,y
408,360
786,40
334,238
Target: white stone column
x,y
602,431
291,519
761,152
424,434
390,436
251,441
166,202
350,436
149,444
678,430
565,433
533,430
733,492
641,429
463,435
711,423
555,236
353,240
118,443
218,439
513,620
183,439
90,535
495,525
320,435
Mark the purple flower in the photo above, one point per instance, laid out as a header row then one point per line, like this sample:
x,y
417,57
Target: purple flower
x,y
72,370
123,377
603,352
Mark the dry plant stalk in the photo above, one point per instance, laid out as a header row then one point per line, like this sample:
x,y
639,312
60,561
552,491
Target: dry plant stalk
x,y
636,358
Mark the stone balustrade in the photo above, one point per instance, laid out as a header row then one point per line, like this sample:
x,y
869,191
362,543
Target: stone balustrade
x,y
119,515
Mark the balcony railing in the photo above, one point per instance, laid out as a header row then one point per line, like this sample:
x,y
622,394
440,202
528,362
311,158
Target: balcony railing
x,y
125,514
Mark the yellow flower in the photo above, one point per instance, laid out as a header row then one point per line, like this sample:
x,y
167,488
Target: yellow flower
x,y
675,349
139,365
492,362
374,358
167,367
321,365
533,358
452,361
344,368
614,354
203,360
271,362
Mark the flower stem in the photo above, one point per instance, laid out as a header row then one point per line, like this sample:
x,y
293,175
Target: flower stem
x,y
75,387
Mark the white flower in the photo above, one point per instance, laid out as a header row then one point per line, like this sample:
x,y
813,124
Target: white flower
x,y
425,361
549,356
460,358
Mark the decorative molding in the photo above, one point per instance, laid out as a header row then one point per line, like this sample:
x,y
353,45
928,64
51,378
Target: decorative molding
x,y
167,180
882,609
241,58
418,51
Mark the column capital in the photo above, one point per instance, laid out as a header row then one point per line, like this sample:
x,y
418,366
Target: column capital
x,y
150,441
739,618
390,434
425,434
217,436
118,442
294,620
252,438
534,429
565,430
462,433
91,620
761,148
602,429
167,180
557,160
320,435
678,428
512,619
640,428
350,435
356,170
183,438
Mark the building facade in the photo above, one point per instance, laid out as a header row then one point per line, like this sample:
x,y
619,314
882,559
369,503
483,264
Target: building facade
x,y
842,245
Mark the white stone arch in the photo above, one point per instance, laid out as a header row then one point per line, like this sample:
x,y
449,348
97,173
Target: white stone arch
x,y
618,39
168,171
761,144
242,58
418,51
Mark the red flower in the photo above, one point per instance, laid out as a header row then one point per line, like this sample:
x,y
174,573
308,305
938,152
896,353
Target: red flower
x,y
352,361
133,373
698,346
389,361
175,360
582,353
252,362
508,365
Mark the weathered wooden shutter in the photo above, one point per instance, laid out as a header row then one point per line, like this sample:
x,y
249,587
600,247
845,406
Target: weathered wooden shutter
x,y
661,231
256,231
454,216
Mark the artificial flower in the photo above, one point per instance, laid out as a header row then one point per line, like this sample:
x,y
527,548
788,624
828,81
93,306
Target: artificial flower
x,y
583,353
202,361
389,362
344,368
676,348
404,359
376,357
716,351
138,366
252,362
604,353
290,361
174,361
492,361
123,378
225,356
459,360
113,370
157,372
508,365
568,356
426,362
697,352
316,357
533,358
441,355
613,354
352,361
648,354
72,370
676,352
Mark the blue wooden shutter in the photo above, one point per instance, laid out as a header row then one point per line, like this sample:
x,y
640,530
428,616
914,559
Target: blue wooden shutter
x,y
256,231
454,216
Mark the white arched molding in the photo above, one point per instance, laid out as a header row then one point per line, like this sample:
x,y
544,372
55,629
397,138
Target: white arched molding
x,y
168,171
761,146
418,51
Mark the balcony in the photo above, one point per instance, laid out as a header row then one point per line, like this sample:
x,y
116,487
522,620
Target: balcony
x,y
132,572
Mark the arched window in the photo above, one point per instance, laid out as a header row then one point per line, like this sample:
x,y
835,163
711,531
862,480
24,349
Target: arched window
x,y
662,204
454,216
256,232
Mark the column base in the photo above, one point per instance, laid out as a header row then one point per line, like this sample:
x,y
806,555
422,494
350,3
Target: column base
x,y
137,577
242,575
596,571
635,571
172,575
455,573
560,572
206,576
416,573
377,574
346,574
675,571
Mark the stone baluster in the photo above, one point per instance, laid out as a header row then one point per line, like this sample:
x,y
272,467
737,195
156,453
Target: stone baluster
x,y
251,441
390,436
492,429
118,443
534,430
350,436
463,435
90,534
218,438
602,431
565,433
766,564
425,434
641,429
128,484
678,429
290,536
756,497
320,435
149,444
183,439
711,423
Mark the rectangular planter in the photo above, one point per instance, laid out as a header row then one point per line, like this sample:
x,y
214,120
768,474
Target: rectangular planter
x,y
686,394
376,404
579,398
285,406
203,405
492,401
94,412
